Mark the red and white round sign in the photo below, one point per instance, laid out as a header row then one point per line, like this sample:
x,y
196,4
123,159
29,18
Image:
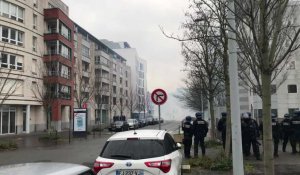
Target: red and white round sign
x,y
159,96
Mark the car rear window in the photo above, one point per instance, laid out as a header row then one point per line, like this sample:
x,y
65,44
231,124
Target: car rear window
x,y
133,149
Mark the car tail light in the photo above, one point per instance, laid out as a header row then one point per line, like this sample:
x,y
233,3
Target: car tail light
x,y
164,165
101,165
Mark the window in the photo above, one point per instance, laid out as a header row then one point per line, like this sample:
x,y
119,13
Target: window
x,y
114,66
114,89
12,36
97,60
104,61
121,80
11,61
141,67
132,148
126,83
114,100
126,93
34,44
121,91
292,88
85,51
126,74
114,78
11,11
273,89
64,51
292,110
291,65
65,71
34,21
169,143
65,31
34,65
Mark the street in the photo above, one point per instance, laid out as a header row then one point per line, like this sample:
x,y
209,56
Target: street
x,y
80,151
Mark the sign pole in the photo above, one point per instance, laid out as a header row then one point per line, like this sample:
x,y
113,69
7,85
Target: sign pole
x,y
159,127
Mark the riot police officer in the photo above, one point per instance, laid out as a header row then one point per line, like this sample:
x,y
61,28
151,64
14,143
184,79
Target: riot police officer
x,y
187,128
200,131
295,131
275,133
286,130
250,133
222,127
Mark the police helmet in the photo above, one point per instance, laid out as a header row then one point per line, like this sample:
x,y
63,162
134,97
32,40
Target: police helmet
x,y
297,113
198,115
224,114
245,115
273,116
286,115
188,118
249,114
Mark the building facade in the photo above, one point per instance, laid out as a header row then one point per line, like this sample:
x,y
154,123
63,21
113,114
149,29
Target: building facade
x,y
50,65
138,66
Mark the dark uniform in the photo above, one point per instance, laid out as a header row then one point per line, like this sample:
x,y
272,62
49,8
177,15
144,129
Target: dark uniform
x,y
286,130
222,127
200,131
275,133
250,132
295,131
187,128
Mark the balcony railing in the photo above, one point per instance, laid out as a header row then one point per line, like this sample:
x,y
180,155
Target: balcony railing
x,y
59,74
56,52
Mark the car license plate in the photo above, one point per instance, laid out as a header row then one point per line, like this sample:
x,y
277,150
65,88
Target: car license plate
x,y
129,172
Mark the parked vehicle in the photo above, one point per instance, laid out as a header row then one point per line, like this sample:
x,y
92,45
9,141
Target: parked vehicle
x,y
119,126
150,121
122,154
45,168
155,120
143,121
133,123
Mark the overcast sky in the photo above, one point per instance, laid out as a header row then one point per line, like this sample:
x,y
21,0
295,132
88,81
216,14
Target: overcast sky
x,y
137,22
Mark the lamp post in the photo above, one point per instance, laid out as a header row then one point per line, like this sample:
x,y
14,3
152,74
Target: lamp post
x,y
237,156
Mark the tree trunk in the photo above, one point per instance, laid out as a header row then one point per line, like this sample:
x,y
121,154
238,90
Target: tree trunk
x,y
267,125
212,117
228,119
227,93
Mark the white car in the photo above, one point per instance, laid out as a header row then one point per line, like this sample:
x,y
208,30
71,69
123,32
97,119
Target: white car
x,y
45,168
140,152
133,123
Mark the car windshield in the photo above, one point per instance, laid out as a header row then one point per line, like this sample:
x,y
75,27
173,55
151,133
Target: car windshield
x,y
132,149
130,120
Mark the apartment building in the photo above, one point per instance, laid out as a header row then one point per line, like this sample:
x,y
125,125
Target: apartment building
x,y
34,34
103,80
138,77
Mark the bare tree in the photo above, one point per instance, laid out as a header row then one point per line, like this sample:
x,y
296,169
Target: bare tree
x,y
44,92
267,36
84,86
132,102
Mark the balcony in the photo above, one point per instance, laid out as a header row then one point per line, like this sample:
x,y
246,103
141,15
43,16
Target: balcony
x,y
85,74
54,52
86,59
59,74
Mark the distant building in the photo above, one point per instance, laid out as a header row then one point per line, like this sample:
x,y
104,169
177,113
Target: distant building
x,y
138,75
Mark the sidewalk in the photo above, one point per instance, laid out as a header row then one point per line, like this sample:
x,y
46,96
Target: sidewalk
x,y
286,164
32,140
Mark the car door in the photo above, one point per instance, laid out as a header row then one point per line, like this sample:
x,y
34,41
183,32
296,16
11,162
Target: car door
x,y
173,153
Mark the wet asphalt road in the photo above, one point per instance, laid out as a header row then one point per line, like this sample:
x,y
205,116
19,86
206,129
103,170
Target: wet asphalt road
x,y
80,151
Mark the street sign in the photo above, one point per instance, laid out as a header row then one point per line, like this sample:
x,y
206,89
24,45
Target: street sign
x,y
84,105
159,96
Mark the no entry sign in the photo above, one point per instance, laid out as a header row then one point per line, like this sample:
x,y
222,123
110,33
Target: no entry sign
x,y
159,96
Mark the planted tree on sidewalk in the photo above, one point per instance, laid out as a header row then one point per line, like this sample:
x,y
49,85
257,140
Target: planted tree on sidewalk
x,y
84,84
267,35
